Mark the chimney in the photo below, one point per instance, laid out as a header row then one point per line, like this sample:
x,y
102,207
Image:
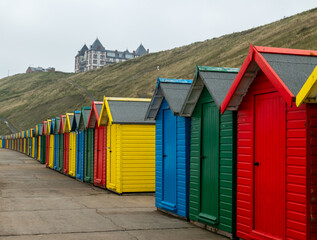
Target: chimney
x,y
148,51
116,52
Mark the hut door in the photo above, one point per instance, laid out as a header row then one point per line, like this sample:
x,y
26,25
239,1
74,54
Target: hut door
x,y
98,167
269,165
112,156
169,159
209,171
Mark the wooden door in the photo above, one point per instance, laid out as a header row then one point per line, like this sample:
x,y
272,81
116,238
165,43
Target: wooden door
x,y
169,159
269,165
209,175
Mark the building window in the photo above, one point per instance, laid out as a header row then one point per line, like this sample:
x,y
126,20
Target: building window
x,y
94,67
102,56
102,62
95,56
95,62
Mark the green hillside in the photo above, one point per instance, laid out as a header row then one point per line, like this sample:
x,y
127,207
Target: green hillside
x,y
27,99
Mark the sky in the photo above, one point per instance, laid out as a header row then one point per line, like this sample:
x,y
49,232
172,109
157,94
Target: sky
x,y
49,33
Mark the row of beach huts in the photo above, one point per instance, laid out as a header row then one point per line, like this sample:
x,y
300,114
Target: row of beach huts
x,y
233,150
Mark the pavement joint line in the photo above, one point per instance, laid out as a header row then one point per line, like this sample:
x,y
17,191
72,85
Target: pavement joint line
x,y
110,219
104,231
73,209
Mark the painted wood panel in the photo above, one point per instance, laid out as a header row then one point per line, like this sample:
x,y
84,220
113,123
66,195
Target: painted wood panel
x,y
295,194
226,168
181,148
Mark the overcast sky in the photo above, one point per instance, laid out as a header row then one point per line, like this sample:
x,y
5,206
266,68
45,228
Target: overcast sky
x,y
49,33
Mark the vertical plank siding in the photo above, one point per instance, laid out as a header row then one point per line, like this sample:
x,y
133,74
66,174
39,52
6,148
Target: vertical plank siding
x,y
80,155
182,162
89,158
61,153
296,217
227,167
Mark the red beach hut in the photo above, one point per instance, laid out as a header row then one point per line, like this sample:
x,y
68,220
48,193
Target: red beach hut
x,y
100,145
275,170
47,142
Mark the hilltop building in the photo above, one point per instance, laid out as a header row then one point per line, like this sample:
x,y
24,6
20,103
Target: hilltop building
x,y
97,56
39,69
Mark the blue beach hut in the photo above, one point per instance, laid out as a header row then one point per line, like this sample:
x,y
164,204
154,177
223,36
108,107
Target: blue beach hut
x,y
56,142
172,145
81,153
74,128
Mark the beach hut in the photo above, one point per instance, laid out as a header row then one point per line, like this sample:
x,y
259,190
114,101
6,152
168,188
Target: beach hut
x,y
74,132
89,154
39,142
27,142
69,160
49,152
56,142
172,134
35,138
47,143
43,143
79,146
21,142
61,144
25,138
212,153
275,139
51,126
99,145
130,145
32,142
82,145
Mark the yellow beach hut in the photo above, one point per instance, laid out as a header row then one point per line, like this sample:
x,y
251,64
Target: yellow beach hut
x,y
51,143
71,144
130,145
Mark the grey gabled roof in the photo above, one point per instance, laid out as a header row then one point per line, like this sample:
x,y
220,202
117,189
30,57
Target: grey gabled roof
x,y
85,111
129,112
40,129
75,123
57,124
99,107
173,90
140,50
97,46
218,84
82,51
293,70
217,80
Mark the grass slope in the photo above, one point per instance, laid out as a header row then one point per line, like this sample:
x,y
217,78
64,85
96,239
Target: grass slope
x,y
27,99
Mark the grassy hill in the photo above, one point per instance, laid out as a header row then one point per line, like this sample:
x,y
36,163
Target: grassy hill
x,y
28,99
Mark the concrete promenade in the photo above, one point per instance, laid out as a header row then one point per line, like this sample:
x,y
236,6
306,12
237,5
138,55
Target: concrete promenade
x,y
39,203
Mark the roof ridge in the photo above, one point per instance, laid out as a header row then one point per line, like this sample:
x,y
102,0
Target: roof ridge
x,y
287,51
128,99
216,69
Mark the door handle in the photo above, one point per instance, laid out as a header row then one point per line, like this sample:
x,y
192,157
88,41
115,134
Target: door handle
x,y
202,157
256,164
164,155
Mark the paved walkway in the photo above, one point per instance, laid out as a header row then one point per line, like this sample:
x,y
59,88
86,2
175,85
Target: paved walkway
x,y
39,203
